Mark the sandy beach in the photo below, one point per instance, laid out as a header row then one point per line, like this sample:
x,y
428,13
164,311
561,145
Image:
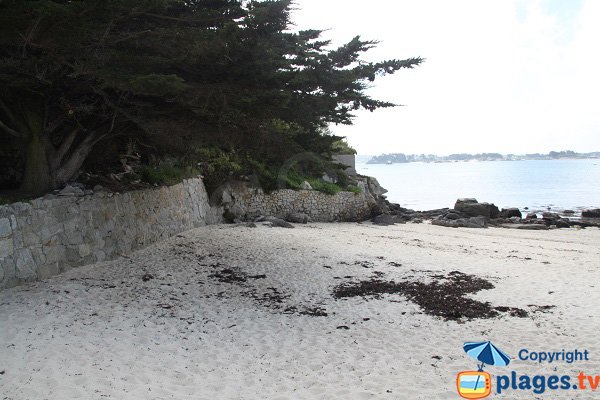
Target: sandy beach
x,y
233,312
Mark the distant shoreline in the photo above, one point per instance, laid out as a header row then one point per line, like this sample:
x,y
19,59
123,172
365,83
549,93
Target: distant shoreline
x,y
537,184
401,158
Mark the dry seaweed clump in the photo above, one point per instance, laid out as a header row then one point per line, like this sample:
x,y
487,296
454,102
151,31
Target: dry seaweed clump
x,y
443,296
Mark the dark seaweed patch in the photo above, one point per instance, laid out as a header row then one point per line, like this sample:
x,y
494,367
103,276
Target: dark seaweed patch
x,y
443,296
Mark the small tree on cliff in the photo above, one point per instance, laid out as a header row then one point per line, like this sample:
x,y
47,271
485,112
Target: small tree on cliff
x,y
75,73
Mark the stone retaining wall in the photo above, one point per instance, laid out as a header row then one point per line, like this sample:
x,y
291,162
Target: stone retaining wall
x,y
49,235
245,203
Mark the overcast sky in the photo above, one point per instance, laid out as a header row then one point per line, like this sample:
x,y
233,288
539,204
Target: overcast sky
x,y
509,76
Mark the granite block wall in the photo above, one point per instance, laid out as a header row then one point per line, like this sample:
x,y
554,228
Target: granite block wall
x,y
49,235
245,202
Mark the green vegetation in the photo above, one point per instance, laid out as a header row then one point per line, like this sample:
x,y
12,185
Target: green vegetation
x,y
354,189
294,180
325,187
342,147
226,84
216,165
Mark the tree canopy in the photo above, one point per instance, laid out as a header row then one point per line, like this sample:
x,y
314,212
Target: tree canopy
x,y
177,75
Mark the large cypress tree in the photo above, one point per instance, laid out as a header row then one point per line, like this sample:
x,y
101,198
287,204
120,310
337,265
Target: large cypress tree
x,y
175,72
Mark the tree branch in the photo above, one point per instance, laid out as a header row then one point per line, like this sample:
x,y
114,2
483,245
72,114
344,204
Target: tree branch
x,y
56,125
116,107
64,147
11,131
72,165
8,112
27,39
131,36
168,18
112,121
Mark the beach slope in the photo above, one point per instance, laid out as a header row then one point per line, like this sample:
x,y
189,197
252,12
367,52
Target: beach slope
x,y
234,312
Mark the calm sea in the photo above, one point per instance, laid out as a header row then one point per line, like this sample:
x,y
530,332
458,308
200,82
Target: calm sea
x,y
558,184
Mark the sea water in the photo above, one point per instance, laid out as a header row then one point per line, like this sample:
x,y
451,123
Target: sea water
x,y
536,184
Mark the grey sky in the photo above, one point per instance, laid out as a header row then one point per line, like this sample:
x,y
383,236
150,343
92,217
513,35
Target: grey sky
x,y
511,76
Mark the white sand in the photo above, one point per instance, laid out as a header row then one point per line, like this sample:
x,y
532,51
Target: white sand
x,y
101,332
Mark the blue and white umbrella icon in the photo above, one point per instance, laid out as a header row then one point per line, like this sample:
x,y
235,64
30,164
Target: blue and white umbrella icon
x,y
486,353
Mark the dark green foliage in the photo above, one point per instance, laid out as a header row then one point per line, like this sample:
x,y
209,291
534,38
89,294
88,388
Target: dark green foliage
x,y
354,189
294,180
325,187
342,147
176,75
166,174
216,165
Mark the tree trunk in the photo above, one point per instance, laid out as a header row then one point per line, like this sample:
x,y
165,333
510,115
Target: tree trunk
x,y
37,178
48,168
70,166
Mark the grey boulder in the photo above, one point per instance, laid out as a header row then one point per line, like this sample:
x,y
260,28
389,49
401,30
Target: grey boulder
x,y
563,223
298,217
275,222
452,214
306,186
510,212
387,219
71,190
472,222
472,208
532,227
595,213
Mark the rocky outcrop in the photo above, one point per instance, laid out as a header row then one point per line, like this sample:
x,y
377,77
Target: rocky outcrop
x,y
470,222
298,218
462,216
306,186
532,227
388,219
275,222
595,213
510,212
472,208
373,187
550,216
555,219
